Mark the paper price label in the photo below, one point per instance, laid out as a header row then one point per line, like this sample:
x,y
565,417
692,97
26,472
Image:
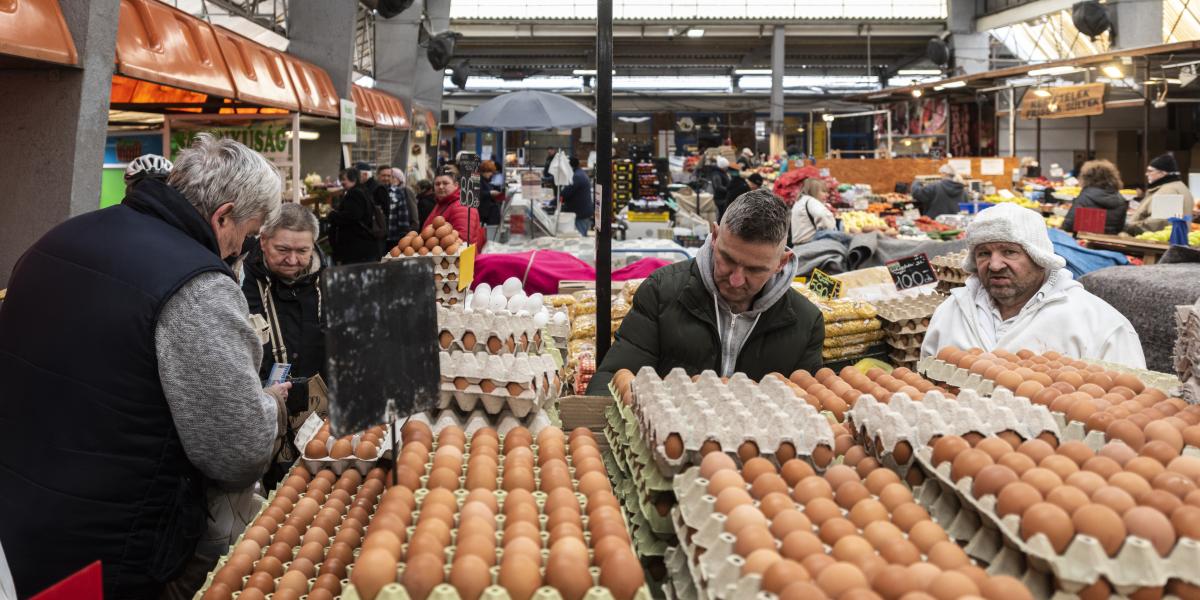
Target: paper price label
x,y
825,286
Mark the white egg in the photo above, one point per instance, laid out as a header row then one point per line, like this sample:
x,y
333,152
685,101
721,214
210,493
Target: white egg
x,y
535,303
540,319
483,289
498,303
516,303
522,313
512,285
560,318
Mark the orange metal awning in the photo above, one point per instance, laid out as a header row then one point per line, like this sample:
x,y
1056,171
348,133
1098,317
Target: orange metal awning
x,y
161,44
364,111
430,120
36,29
383,118
259,73
313,87
399,115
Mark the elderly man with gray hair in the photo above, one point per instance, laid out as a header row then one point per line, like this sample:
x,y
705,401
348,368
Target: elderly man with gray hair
x,y
731,309
131,372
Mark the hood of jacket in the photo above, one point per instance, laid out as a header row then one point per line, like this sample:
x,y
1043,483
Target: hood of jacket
x,y
157,199
953,186
255,265
775,288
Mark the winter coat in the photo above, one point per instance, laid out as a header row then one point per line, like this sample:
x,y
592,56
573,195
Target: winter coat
x,y
577,197
489,207
425,204
809,216
383,199
737,187
1062,316
297,305
675,320
940,198
1169,185
719,179
457,216
352,240
1115,205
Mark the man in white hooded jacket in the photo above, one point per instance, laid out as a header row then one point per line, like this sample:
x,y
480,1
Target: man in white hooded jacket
x,y
1020,296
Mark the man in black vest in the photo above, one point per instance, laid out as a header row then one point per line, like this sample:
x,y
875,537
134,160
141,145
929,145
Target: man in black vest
x,y
131,373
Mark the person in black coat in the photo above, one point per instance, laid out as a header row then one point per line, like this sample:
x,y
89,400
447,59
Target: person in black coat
x,y
737,186
1100,181
490,196
942,197
718,177
352,239
426,200
366,178
577,198
282,285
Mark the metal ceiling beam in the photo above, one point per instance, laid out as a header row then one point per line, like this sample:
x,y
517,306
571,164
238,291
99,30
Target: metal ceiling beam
x,y
740,29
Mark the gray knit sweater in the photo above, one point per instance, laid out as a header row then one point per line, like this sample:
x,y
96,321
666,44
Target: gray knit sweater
x,y
208,357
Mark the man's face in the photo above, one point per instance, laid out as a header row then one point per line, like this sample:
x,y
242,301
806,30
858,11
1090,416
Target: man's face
x,y
443,186
1153,174
346,182
385,177
363,176
288,253
742,268
230,234
1007,272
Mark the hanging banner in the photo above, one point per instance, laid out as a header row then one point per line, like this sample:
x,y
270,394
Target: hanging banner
x,y
348,122
1067,101
275,137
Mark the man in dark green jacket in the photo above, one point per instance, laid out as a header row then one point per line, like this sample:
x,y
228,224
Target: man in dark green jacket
x,y
731,309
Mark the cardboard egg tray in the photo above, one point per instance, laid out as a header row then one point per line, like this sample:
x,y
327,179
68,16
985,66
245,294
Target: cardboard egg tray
x,y
643,486
471,380
768,414
516,333
680,585
502,422
445,277
997,541
908,315
309,430
905,341
948,269
445,591
937,370
444,264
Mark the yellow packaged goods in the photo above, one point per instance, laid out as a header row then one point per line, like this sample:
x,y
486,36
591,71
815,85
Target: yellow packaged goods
x,y
620,308
584,327
851,327
855,339
559,300
585,303
844,351
841,309
580,346
630,288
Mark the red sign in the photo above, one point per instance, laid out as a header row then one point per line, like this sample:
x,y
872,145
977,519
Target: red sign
x,y
1090,220
85,584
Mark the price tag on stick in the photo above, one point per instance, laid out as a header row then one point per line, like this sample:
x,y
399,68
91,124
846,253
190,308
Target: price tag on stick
x,y
824,286
911,271
381,343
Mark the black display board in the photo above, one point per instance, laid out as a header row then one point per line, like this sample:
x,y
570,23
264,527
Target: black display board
x,y
911,271
380,342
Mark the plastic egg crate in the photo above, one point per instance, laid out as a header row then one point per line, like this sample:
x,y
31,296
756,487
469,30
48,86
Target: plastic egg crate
x,y
521,382
512,332
309,430
997,540
767,414
952,375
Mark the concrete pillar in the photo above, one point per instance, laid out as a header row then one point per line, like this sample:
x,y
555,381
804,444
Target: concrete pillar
x,y
1138,23
972,52
778,50
322,32
54,121
396,52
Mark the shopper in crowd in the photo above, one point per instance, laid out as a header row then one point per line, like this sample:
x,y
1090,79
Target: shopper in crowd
x,y
746,159
755,181
737,185
577,198
153,396
366,178
491,197
464,220
731,309
146,166
1020,296
1162,177
426,200
809,213
1101,183
941,197
281,285
718,177
398,204
353,236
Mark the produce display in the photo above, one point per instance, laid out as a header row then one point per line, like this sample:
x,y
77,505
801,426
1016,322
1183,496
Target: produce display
x,y
857,221
1163,236
502,517
1021,201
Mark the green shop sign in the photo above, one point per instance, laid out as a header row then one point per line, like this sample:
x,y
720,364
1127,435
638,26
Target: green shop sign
x,y
266,138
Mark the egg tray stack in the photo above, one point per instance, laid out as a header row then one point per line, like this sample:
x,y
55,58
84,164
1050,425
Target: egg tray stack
x,y
795,534
905,322
644,493
445,276
504,422
325,564
495,332
949,271
361,451
1078,535
521,384
891,431
1187,350
680,583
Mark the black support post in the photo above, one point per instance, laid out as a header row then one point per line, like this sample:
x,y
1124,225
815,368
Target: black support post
x,y
604,65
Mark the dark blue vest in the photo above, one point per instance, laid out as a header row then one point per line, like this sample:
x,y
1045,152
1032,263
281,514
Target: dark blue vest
x,y
91,466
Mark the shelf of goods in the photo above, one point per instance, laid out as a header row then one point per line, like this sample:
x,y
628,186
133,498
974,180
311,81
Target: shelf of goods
x,y
581,344
647,181
624,185
440,242
852,329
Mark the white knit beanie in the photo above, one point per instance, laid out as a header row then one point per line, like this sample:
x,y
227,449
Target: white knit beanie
x,y
1010,223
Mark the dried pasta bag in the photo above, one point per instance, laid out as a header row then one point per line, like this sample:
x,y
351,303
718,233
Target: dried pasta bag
x,y
843,352
559,300
854,339
630,288
620,308
584,327
580,346
851,327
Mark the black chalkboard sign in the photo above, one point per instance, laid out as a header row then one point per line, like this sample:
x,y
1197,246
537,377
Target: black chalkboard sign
x,y
911,271
380,343
824,286
468,181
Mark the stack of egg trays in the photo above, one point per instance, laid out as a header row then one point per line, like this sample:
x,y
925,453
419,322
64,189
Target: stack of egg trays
x,y
636,482
997,541
881,427
445,277
308,430
679,585
905,321
949,271
517,333
767,413
534,374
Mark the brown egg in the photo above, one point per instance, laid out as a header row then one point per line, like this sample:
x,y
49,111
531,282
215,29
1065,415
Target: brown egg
x,y
1151,525
1017,461
1117,451
835,529
811,488
868,511
1188,466
782,574
926,534
1060,465
840,578
947,448
622,574
851,493
1044,480
752,538
905,516
1036,449
759,561
469,575
948,555
895,494
800,544
374,569
1186,521
421,574
567,569
1135,485
1126,431
900,552
991,479
519,576
1068,498
1015,498
341,449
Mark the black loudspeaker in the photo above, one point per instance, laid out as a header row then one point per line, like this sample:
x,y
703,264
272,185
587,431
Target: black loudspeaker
x,y
390,8
459,75
1090,18
441,49
937,52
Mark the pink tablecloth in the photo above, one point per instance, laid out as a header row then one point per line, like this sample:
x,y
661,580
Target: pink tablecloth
x,y
542,270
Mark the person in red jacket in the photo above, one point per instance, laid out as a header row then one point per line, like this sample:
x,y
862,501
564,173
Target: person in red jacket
x,y
446,190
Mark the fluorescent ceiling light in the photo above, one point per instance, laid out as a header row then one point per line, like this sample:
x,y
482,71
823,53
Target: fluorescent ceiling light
x,y
950,85
751,71
828,117
919,72
1114,71
917,93
305,135
634,119
584,72
1052,71
1041,93
695,33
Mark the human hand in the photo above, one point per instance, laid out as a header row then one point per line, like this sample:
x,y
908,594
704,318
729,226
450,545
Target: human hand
x,y
279,391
